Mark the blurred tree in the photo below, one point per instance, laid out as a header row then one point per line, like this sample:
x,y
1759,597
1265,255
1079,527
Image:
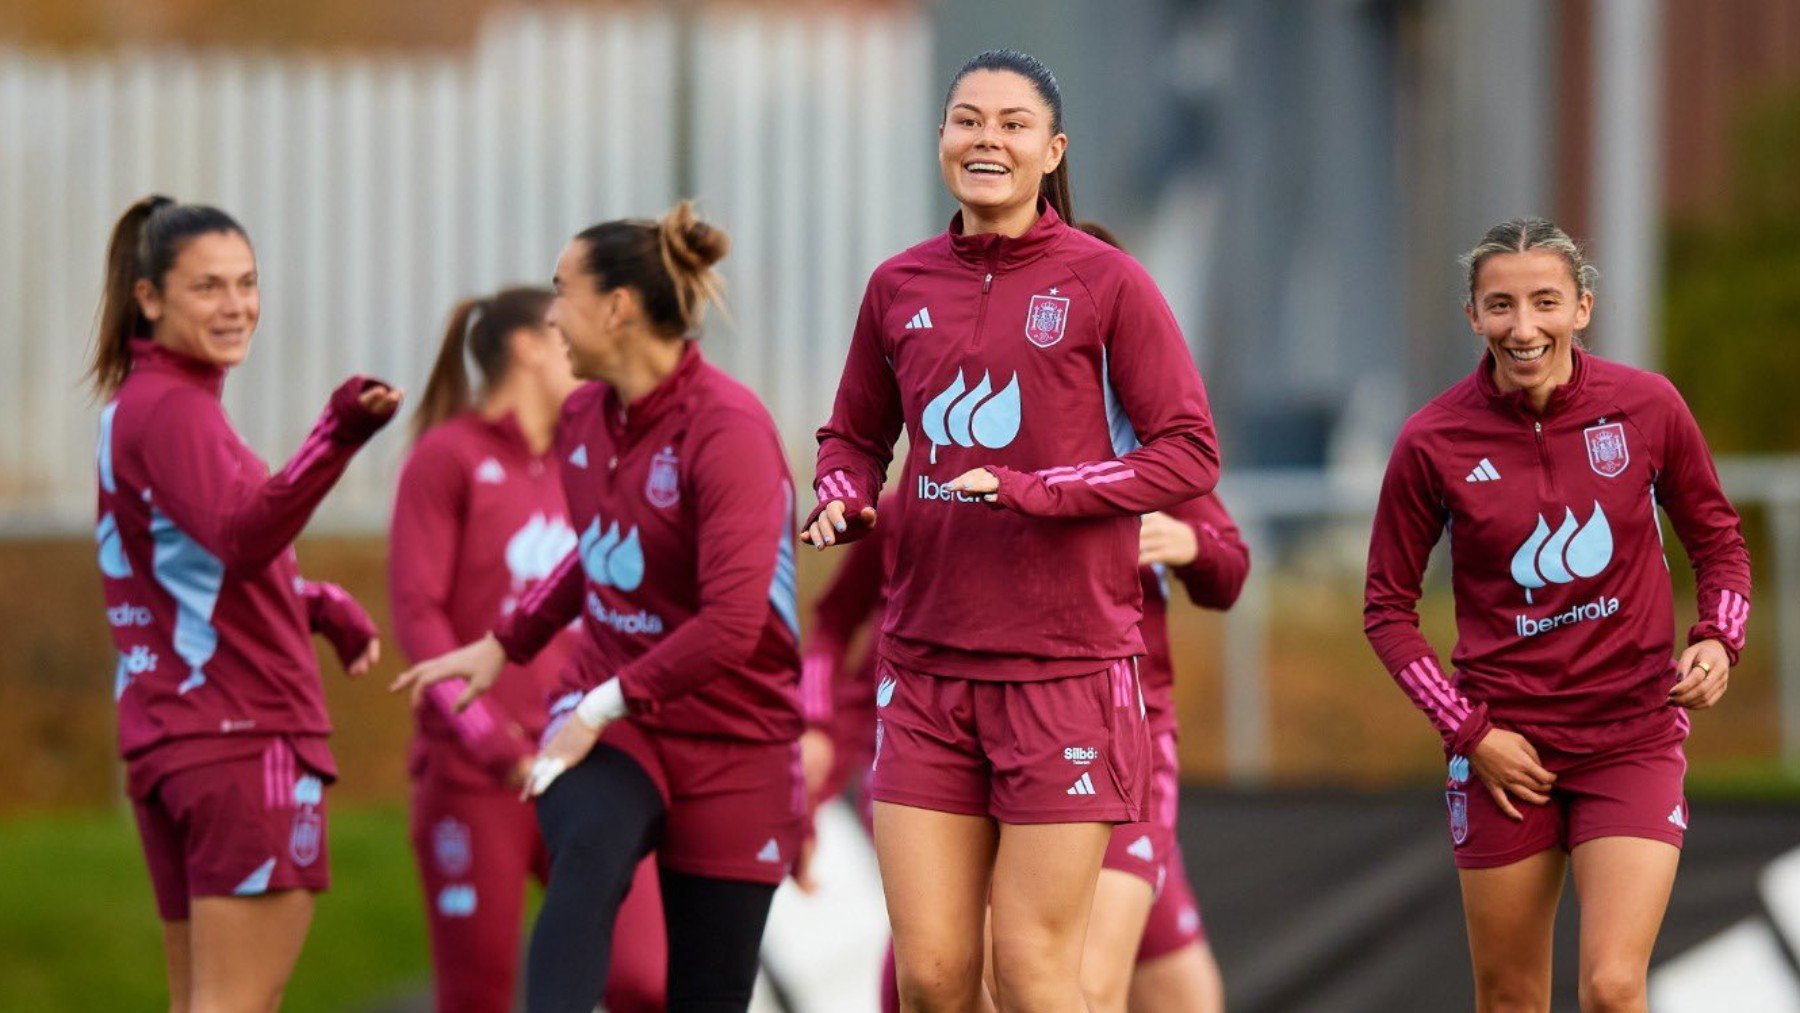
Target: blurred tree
x,y
1732,314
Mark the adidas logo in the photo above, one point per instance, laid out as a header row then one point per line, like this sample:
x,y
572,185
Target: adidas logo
x,y
1484,472
1676,818
1084,785
490,472
579,457
1142,849
770,853
921,321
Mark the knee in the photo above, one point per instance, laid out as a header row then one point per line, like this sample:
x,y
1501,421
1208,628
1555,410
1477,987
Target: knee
x,y
1030,974
1510,990
937,980
1105,987
1608,987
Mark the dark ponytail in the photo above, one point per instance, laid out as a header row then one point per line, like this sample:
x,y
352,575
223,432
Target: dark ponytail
x,y
669,262
482,327
1055,187
144,245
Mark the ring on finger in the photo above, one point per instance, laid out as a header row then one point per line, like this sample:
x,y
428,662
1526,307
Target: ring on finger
x,y
1703,666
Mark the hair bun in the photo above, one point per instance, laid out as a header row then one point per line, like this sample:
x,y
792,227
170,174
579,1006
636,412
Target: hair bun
x,y
692,244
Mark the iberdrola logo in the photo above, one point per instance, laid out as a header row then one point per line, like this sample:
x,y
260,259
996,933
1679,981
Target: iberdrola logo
x,y
1574,550
970,417
611,561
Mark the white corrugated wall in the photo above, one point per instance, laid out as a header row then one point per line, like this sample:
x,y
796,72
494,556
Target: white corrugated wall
x,y
380,188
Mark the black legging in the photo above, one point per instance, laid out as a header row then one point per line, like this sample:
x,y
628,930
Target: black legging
x,y
599,820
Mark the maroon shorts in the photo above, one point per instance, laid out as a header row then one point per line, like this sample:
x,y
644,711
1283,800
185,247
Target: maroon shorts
x,y
1069,750
1633,790
733,810
1145,848
1175,916
236,828
477,849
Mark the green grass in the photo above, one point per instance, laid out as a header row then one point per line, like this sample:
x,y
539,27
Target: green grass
x,y
1744,780
78,927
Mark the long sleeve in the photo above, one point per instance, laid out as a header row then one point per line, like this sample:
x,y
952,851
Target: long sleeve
x,y
1409,519
429,509
548,608
848,602
1687,487
857,443
743,516
205,484
1154,399
1216,576
340,619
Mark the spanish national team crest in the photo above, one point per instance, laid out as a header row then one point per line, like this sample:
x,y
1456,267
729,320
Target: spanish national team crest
x,y
1046,319
450,841
1607,453
663,485
1459,816
309,831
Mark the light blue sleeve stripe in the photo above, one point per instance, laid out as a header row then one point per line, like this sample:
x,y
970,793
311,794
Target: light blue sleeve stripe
x,y
193,577
1118,424
783,596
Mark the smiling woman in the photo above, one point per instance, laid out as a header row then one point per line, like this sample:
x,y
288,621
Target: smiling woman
x,y
1001,145
222,719
1046,373
1564,722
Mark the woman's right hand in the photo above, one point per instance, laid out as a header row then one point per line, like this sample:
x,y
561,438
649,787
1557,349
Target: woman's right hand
x,y
1509,766
832,522
479,662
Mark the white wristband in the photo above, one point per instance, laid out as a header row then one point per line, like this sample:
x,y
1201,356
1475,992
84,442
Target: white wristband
x,y
603,703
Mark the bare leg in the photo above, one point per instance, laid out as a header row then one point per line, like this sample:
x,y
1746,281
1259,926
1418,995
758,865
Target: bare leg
x,y
179,959
1115,928
244,949
1623,884
1185,981
1511,914
935,871
1044,880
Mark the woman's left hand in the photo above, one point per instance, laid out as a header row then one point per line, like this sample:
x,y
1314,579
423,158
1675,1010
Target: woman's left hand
x,y
1163,539
568,745
1704,671
380,399
980,482
369,658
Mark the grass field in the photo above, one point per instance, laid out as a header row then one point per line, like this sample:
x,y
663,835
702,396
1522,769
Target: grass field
x,y
78,928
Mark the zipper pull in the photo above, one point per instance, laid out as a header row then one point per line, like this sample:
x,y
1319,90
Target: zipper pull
x,y
987,282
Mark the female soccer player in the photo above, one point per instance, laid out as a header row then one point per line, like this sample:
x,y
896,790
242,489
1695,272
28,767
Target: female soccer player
x,y
688,676
478,522
221,714
1026,359
1160,942
1564,724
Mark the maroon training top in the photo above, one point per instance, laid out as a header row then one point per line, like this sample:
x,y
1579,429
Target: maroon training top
x,y
210,616
1052,360
1564,612
479,520
684,573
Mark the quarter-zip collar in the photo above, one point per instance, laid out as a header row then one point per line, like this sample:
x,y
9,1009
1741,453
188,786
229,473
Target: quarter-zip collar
x,y
628,420
995,252
1518,402
147,354
507,430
